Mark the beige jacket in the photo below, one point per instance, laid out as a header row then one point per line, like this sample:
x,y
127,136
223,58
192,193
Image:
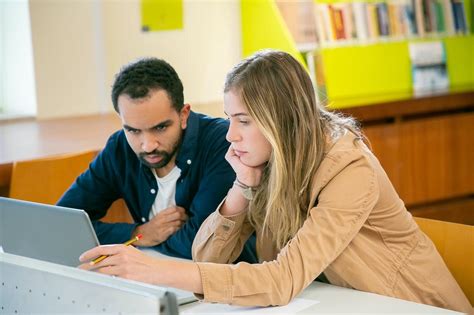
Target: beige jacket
x,y
359,234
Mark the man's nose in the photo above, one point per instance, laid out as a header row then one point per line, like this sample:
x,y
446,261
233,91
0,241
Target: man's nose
x,y
149,142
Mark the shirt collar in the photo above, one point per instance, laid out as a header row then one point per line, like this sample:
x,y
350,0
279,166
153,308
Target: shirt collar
x,y
189,143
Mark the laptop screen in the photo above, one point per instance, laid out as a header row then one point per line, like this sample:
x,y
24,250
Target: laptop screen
x,y
46,232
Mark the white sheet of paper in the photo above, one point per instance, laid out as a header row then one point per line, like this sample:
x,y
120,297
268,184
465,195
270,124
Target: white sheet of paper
x,y
293,307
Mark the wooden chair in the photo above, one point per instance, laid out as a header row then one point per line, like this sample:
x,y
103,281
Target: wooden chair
x,y
455,243
45,180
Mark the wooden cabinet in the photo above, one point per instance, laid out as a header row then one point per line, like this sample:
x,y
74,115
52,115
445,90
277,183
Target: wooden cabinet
x,y
427,152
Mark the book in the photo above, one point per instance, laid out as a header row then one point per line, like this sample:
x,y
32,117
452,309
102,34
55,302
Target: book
x,y
428,16
459,14
448,17
409,18
328,25
320,31
440,23
360,20
337,21
348,18
420,22
429,71
372,20
382,19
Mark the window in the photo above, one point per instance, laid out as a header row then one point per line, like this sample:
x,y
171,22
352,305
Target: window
x,y
17,84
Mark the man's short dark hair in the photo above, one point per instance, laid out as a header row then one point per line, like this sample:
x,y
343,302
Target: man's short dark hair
x,y
138,78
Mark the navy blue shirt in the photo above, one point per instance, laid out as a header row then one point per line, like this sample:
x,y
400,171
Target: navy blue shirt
x,y
116,173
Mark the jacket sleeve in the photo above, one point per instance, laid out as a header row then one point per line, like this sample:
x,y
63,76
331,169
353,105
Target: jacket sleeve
x,y
216,180
95,190
221,239
344,204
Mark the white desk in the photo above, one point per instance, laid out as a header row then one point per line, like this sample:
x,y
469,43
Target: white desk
x,y
332,300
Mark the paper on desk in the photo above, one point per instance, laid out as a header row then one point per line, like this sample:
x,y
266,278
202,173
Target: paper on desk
x,y
294,307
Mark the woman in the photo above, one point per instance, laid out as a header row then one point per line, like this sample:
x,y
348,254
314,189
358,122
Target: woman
x,y
315,195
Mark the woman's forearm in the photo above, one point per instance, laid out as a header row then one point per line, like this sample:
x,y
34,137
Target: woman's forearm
x,y
182,275
235,202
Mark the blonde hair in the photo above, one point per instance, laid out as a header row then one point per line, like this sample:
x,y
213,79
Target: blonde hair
x,y
279,95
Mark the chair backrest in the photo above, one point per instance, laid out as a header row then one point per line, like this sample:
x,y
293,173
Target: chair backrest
x,y
45,180
455,243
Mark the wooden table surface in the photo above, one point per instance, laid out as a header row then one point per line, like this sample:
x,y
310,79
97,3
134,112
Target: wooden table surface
x,y
30,139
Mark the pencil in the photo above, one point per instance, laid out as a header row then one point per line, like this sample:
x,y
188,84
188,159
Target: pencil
x,y
129,242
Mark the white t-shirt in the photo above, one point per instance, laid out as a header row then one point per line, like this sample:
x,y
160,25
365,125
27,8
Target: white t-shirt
x,y
165,196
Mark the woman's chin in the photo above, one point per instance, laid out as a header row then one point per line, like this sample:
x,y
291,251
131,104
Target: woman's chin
x,y
251,163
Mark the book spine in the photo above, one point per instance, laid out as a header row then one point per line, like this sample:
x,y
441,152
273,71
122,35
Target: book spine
x,y
382,19
426,7
360,19
348,19
420,23
321,33
372,21
409,18
459,16
328,27
448,17
395,28
337,22
441,25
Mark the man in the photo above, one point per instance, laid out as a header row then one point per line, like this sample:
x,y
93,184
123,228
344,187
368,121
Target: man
x,y
167,164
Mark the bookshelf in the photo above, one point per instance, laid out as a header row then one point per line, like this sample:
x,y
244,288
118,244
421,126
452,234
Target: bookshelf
x,y
424,142
350,69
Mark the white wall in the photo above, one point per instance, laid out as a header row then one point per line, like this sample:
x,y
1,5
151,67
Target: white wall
x,y
65,58
79,45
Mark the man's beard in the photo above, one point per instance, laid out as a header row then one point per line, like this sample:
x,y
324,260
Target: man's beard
x,y
166,156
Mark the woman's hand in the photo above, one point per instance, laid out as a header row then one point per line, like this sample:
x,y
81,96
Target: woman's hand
x,y
130,263
122,261
247,175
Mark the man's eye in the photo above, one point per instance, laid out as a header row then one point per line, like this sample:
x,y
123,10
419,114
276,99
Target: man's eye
x,y
133,131
161,128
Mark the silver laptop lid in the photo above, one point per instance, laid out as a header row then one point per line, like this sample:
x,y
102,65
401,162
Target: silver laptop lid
x,y
46,232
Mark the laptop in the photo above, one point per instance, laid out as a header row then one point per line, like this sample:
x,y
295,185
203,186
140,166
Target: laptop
x,y
55,234
46,232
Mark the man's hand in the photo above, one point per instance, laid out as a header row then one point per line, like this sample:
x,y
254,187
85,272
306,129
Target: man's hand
x,y
162,226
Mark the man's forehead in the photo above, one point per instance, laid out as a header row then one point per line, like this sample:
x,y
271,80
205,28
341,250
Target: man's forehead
x,y
146,115
155,92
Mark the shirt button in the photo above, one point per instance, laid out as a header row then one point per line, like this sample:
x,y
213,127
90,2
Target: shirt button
x,y
189,162
152,190
143,219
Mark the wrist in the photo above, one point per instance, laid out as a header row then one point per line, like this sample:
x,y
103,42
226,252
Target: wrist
x,y
247,191
235,202
240,183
